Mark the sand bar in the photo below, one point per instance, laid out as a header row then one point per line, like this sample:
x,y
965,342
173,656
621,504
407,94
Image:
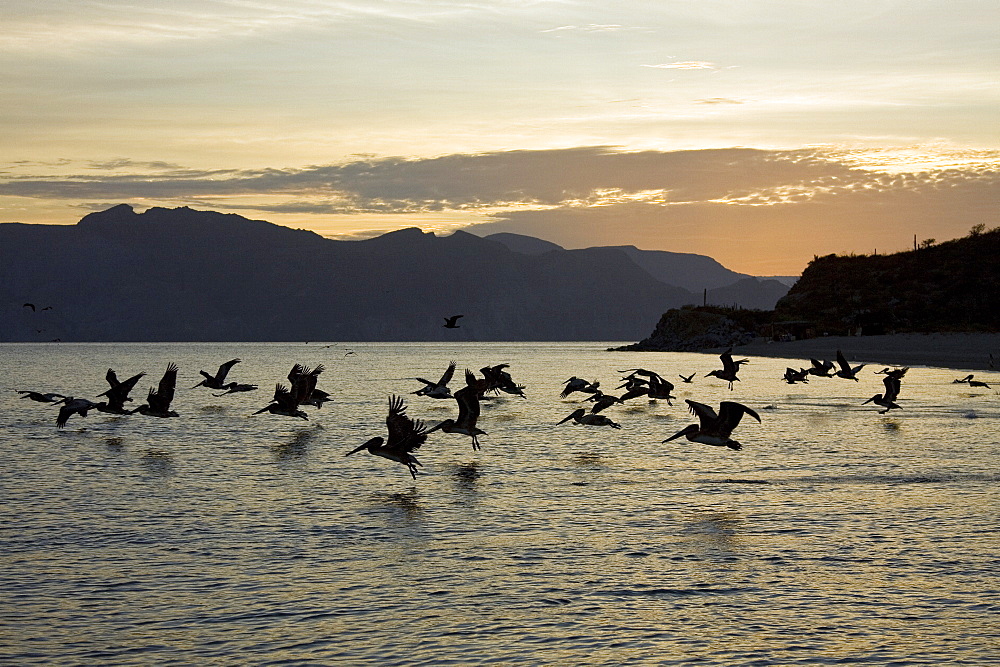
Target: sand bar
x,y
961,351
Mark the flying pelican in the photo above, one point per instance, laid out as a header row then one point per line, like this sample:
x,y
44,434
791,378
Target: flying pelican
x,y
964,380
158,400
304,381
284,402
888,399
29,305
601,401
792,376
846,371
118,393
580,416
47,397
218,380
893,372
821,368
468,412
688,378
437,389
578,384
497,380
729,368
715,429
235,387
977,383
405,437
450,322
73,406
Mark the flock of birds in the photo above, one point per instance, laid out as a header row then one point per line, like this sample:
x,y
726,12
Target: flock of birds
x,y
406,435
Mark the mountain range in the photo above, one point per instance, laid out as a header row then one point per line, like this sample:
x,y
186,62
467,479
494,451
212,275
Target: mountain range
x,y
187,275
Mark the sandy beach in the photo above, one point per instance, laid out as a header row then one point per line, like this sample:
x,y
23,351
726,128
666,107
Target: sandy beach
x,y
961,351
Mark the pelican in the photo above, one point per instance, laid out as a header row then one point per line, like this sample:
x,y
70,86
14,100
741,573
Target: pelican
x,y
964,380
660,388
73,406
405,437
497,380
792,376
451,322
715,429
687,378
977,383
601,401
468,412
897,373
284,402
118,393
304,381
236,387
580,416
888,399
218,380
437,389
48,397
846,371
158,400
821,368
578,384
729,368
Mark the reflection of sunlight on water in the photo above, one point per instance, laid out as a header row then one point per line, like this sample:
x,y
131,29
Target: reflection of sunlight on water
x,y
891,425
158,462
213,409
115,445
296,447
405,505
466,476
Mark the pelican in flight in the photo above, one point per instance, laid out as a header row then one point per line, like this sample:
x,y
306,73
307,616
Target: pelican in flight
x,y
451,322
580,416
846,371
715,429
967,378
729,368
304,381
285,402
73,406
821,369
158,400
888,399
578,384
218,380
688,378
497,380
468,412
792,376
897,373
48,397
437,389
118,393
236,387
601,401
405,437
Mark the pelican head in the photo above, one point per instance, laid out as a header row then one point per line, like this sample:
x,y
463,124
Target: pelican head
x,y
374,442
692,428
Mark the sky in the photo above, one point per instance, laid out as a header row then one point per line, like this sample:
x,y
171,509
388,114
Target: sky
x,y
761,133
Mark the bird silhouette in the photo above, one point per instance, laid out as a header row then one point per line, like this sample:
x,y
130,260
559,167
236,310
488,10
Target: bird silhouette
x,y
792,376
821,368
468,412
888,399
47,397
687,378
118,393
218,380
729,369
405,437
73,406
581,416
846,371
236,387
715,429
158,400
451,322
437,389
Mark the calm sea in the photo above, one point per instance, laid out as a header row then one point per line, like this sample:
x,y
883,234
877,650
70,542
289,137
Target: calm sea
x,y
837,535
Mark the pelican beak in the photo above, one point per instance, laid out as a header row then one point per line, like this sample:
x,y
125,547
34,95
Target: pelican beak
x,y
355,451
676,435
869,400
434,428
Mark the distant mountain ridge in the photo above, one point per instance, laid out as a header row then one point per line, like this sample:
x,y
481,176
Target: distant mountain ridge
x,y
186,275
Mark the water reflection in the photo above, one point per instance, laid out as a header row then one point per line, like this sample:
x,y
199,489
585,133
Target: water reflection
x,y
891,426
466,476
295,448
717,531
158,463
115,445
406,505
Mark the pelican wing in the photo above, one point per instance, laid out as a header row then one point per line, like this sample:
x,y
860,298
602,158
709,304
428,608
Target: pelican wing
x,y
705,414
160,398
111,378
892,385
224,369
448,374
468,406
730,414
842,362
405,434
727,362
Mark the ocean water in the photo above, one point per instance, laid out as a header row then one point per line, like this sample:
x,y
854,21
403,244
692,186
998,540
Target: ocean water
x,y
837,535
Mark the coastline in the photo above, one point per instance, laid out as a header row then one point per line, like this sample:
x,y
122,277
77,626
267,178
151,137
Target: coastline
x,y
960,351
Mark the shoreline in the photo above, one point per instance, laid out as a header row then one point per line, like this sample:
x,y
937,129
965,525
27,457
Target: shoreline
x,y
959,351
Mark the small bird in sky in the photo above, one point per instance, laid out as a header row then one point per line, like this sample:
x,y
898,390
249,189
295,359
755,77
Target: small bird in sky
x,y
158,400
450,322
888,399
715,429
405,437
29,305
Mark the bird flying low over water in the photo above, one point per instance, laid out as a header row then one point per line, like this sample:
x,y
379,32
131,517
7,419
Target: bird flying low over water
x,y
236,387
451,322
405,437
118,394
73,406
888,399
217,381
601,401
963,380
581,416
822,369
688,378
792,376
468,412
304,381
48,397
578,384
284,402
497,379
715,429
897,373
437,389
846,371
729,368
158,400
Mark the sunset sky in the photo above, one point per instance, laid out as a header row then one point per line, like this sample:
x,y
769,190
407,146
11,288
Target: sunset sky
x,y
760,133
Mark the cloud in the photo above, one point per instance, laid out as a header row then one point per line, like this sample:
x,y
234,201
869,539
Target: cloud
x,y
687,64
